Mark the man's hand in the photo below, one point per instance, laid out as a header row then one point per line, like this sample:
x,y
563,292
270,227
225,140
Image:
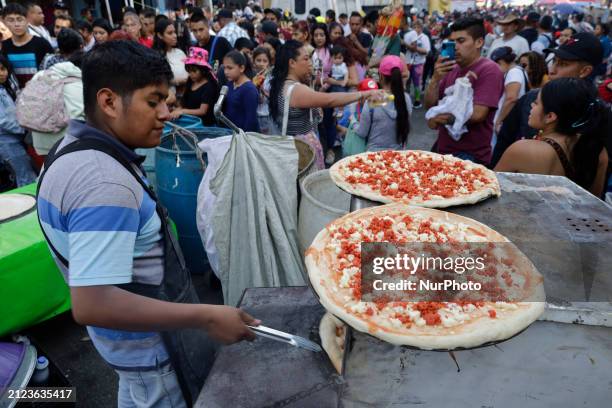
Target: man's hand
x,y
412,47
228,324
440,120
443,66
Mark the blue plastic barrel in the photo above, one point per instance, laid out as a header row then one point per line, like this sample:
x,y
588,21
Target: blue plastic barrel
x,y
185,121
177,189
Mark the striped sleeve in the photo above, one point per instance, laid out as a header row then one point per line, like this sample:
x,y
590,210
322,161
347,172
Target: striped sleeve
x,y
101,225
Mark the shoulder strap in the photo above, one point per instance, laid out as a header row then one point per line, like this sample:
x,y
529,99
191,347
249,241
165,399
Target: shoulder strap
x,y
85,144
212,50
286,108
567,165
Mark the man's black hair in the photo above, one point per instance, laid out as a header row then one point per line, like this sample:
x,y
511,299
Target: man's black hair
x,y
248,27
343,15
69,41
197,17
14,8
67,18
371,17
124,67
473,25
102,23
31,4
315,12
148,13
605,29
331,14
243,42
356,14
84,25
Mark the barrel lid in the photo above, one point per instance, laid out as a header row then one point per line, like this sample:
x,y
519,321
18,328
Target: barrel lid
x,y
15,205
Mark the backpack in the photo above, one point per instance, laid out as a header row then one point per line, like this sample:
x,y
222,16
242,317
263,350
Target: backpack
x,y
40,105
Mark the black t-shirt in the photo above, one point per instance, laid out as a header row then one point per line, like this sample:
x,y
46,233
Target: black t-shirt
x,y
530,34
205,94
26,58
365,40
222,47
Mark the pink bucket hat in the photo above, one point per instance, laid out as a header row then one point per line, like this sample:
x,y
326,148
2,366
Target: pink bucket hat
x,y
198,56
388,63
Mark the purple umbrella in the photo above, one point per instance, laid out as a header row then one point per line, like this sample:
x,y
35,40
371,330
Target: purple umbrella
x,y
567,8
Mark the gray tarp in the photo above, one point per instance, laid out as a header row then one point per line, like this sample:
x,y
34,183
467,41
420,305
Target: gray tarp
x,y
255,216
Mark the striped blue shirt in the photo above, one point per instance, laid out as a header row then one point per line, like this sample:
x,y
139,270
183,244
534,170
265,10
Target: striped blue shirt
x,y
104,223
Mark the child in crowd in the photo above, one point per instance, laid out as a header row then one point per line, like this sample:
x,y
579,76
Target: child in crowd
x,y
12,151
201,91
339,70
339,74
242,96
262,62
387,127
245,46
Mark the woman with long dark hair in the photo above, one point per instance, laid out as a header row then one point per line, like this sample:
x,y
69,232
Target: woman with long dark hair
x,y
535,66
572,122
292,100
387,127
165,41
12,151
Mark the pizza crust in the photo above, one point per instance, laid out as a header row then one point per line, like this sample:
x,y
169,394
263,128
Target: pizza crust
x,y
366,191
476,332
330,341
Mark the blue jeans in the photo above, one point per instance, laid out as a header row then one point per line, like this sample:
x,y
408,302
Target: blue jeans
x,y
14,155
150,389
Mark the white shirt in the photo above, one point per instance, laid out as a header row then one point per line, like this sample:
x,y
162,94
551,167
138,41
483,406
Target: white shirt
x,y
339,72
39,31
409,38
90,44
347,30
416,58
176,59
515,75
544,41
518,44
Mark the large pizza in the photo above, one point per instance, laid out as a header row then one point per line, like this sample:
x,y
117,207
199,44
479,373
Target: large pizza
x,y
333,262
415,177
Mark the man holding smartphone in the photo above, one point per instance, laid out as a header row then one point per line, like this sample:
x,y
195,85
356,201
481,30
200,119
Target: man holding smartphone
x,y
487,82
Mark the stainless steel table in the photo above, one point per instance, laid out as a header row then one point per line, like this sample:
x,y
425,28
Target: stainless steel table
x,y
564,230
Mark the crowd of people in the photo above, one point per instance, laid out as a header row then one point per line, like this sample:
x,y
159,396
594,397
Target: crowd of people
x,y
311,78
517,90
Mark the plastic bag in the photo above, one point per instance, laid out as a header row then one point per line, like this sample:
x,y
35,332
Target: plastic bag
x,y
353,144
459,101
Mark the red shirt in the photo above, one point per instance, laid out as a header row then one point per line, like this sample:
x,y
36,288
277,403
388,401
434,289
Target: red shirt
x,y
147,42
488,88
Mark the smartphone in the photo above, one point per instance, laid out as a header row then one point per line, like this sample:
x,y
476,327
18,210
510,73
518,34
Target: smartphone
x,y
448,50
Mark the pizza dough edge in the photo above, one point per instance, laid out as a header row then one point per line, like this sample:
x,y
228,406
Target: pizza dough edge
x,y
489,330
473,198
327,333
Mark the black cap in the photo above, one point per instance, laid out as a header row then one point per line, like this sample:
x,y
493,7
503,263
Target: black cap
x,y
225,13
269,27
580,47
533,17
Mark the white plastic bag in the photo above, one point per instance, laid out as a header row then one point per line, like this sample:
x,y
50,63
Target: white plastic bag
x,y
458,100
215,150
